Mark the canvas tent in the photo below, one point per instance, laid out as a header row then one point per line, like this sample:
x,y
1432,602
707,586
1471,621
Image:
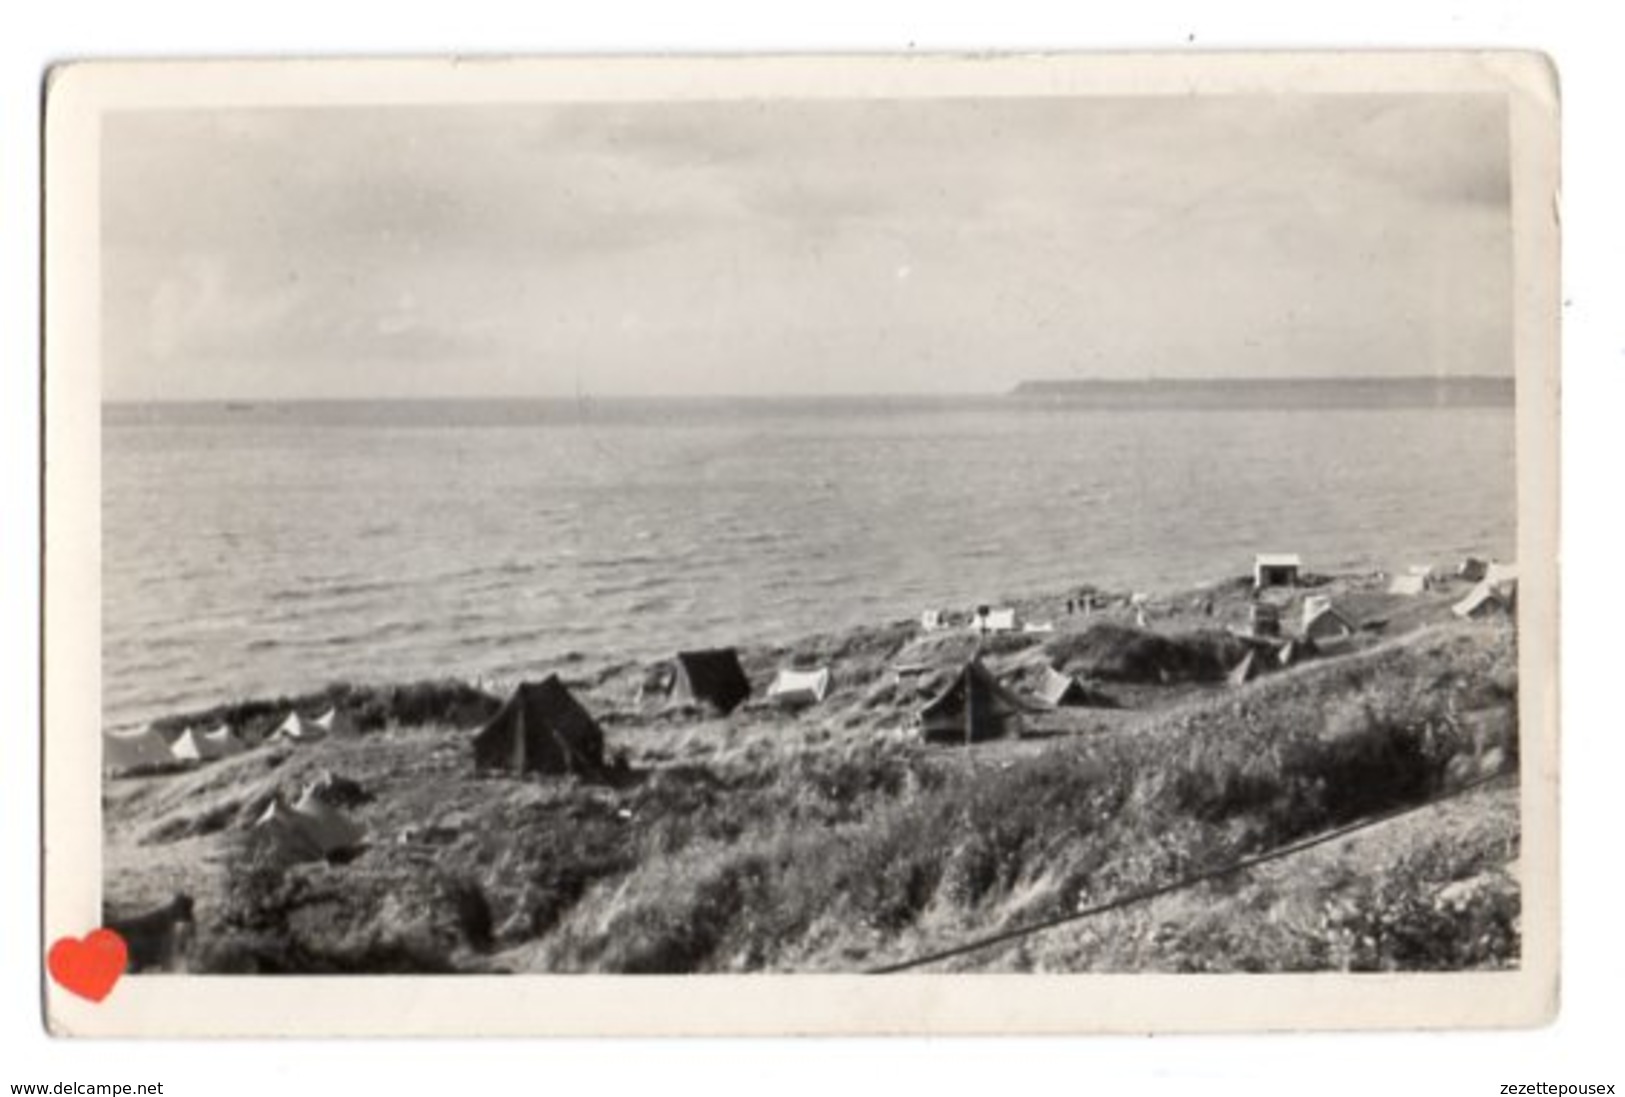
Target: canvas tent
x,y
334,722
287,833
332,830
1287,654
1245,671
1058,689
1276,569
973,707
541,728
127,752
712,677
799,687
189,746
1324,622
1472,569
933,620
1483,600
1410,584
296,729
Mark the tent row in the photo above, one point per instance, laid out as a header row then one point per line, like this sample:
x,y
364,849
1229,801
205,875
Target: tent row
x,y
542,728
147,750
715,679
984,620
144,750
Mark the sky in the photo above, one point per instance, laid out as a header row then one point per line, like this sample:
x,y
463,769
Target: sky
x,y
811,247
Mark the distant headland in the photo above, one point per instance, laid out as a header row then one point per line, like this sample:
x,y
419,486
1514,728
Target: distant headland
x,y
1275,392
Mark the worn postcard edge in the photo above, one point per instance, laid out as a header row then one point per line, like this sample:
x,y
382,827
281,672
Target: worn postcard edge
x,y
79,94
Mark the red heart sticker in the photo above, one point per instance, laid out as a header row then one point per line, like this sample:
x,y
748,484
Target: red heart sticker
x,y
90,966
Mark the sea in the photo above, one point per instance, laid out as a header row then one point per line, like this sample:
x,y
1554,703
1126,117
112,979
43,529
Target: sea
x,y
261,549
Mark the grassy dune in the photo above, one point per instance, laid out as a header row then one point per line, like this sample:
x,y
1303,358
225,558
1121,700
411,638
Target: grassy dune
x,y
834,840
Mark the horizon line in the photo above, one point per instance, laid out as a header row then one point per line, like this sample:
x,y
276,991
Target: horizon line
x,y
904,395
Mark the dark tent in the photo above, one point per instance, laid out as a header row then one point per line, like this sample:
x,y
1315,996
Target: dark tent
x,y
972,708
542,729
712,677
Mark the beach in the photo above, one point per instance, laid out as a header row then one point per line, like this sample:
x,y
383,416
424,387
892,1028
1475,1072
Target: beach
x,y
833,837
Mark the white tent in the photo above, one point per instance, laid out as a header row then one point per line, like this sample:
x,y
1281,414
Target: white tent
x,y
127,751
932,620
298,730
190,747
334,722
1059,688
1481,601
1409,584
799,687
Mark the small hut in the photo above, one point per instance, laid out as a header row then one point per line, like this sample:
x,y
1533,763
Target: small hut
x,y
1276,569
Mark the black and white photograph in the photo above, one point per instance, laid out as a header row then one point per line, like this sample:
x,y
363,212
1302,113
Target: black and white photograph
x,y
1023,528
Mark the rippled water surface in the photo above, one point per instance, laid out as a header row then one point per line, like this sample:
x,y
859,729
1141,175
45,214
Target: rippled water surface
x,y
278,547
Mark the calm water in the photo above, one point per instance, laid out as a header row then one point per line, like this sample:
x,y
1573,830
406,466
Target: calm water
x,y
275,548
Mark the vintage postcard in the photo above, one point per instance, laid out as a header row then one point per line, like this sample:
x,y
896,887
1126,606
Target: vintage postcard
x,y
801,544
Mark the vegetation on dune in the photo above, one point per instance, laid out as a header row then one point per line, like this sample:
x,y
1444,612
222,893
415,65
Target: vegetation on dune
x,y
782,851
1117,653
445,702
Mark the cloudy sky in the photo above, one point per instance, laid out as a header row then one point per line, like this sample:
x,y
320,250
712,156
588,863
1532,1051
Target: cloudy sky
x,y
814,247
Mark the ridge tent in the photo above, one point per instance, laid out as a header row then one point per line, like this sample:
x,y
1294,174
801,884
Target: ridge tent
x,y
131,751
287,832
1058,689
1409,584
711,677
933,620
1246,670
332,830
541,728
223,742
1481,601
1323,622
297,729
189,746
799,687
334,722
1472,569
973,707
